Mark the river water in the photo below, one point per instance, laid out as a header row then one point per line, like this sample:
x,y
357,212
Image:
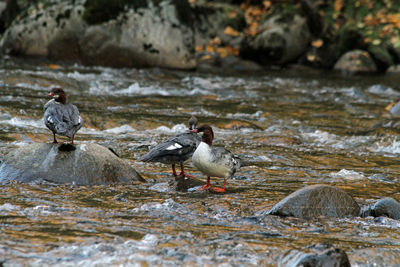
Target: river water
x,y
292,127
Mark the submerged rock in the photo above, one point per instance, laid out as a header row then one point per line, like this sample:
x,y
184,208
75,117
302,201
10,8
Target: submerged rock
x,y
316,200
316,255
387,207
83,164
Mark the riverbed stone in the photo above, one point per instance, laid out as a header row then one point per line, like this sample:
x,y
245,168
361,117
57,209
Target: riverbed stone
x,y
387,207
152,34
82,164
316,255
282,39
316,200
356,61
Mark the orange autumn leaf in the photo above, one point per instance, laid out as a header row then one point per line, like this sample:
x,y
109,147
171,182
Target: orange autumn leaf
x,y
198,48
252,29
267,4
53,66
338,5
317,43
210,49
311,57
256,12
231,31
205,57
222,52
215,41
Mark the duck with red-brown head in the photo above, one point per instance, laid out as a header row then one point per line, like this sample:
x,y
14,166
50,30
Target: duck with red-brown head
x,y
61,117
213,161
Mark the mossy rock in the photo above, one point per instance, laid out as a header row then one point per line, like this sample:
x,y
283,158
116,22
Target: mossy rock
x,y
381,56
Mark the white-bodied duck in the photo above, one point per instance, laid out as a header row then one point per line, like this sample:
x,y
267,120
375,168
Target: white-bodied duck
x,y
213,161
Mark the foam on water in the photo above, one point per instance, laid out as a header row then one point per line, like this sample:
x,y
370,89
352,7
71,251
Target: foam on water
x,y
178,128
330,140
121,129
348,175
392,148
382,90
18,122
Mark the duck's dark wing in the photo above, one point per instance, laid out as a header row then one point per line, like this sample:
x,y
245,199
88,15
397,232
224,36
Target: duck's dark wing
x,y
62,119
176,149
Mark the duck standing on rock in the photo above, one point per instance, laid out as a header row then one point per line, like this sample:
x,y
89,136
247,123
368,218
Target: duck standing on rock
x,y
61,117
213,161
175,150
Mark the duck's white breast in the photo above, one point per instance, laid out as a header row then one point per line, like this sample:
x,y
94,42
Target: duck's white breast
x,y
204,160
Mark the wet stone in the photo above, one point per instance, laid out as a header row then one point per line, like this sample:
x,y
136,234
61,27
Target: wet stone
x,y
83,164
316,200
387,207
316,255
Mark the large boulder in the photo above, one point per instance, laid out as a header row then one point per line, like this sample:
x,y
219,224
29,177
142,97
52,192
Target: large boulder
x,y
121,34
316,200
83,164
282,39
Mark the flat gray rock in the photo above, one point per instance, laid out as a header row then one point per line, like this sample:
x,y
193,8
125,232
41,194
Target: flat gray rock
x,y
83,164
316,200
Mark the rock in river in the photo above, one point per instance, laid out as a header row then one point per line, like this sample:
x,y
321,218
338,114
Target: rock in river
x,y
83,164
316,200
316,255
387,207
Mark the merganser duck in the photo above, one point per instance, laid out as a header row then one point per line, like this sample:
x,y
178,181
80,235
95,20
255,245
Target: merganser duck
x,y
175,150
61,117
213,161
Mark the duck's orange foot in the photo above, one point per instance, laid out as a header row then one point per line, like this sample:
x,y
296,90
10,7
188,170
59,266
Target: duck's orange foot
x,y
219,190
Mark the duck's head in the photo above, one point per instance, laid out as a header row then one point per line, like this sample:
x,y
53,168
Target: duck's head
x,y
58,95
208,134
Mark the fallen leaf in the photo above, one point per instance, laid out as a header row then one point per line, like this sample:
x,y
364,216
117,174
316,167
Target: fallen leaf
x,y
215,41
317,43
311,57
231,31
267,4
210,49
198,48
53,66
205,57
338,5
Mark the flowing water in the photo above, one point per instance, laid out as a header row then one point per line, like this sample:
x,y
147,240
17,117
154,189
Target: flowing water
x,y
293,128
